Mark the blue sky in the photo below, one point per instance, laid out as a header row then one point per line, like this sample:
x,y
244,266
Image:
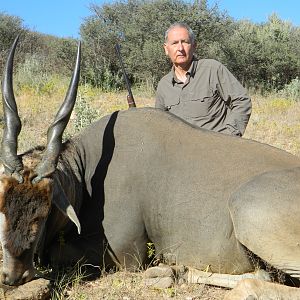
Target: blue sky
x,y
63,17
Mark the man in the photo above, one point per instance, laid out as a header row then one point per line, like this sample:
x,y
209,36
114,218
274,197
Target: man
x,y
202,92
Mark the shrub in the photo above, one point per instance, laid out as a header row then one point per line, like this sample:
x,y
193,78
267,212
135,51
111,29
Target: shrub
x,y
33,76
292,90
84,113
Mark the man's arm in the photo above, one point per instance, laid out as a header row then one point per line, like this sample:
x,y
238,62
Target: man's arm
x,y
236,95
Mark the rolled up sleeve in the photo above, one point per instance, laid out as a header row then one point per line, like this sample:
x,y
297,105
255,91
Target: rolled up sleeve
x,y
238,100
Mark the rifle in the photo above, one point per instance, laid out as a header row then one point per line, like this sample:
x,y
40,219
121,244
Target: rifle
x,y
130,99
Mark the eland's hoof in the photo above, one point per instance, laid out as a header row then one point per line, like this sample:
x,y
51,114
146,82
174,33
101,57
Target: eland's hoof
x,y
161,277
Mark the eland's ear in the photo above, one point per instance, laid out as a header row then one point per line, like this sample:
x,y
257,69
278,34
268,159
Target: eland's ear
x,y
62,203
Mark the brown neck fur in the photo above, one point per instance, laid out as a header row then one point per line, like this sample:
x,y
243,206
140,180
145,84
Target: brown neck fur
x,y
25,206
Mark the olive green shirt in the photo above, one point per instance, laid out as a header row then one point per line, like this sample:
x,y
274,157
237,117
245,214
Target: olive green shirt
x,y
211,97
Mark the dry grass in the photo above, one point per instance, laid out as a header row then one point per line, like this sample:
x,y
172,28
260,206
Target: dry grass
x,y
274,121
128,286
37,112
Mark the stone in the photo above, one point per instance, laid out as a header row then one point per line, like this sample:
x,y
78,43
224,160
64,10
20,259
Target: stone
x,y
38,289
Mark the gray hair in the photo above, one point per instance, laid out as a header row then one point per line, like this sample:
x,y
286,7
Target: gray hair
x,y
181,25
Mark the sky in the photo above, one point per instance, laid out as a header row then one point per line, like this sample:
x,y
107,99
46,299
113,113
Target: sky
x,y
63,17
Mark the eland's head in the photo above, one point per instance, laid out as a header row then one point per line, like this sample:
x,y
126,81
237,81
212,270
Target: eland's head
x,y
28,186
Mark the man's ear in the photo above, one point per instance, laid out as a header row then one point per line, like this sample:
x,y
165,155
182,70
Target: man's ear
x,y
166,49
194,46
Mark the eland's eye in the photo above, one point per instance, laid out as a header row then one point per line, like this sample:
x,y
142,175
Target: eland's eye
x,y
34,225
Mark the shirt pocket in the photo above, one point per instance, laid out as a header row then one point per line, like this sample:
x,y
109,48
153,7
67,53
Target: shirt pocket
x,y
171,102
198,104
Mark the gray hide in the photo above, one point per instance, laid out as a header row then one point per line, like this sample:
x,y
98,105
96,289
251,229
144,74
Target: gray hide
x,y
199,196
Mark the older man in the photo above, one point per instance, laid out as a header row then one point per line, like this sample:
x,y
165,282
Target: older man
x,y
202,92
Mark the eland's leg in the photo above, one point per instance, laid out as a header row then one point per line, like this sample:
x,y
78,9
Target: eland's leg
x,y
223,280
266,218
125,232
253,289
165,276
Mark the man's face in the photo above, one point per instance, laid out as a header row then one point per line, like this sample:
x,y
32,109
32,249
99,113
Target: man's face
x,y
179,47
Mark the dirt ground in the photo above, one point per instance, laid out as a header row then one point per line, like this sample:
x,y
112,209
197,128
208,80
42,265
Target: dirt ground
x,y
122,285
128,286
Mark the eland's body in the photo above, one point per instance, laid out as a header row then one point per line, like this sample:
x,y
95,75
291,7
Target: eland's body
x,y
189,191
203,198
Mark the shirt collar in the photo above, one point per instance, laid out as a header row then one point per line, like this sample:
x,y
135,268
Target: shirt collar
x,y
193,67
191,71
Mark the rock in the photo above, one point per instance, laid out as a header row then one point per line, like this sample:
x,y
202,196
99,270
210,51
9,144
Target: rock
x,y
159,271
38,289
161,277
159,282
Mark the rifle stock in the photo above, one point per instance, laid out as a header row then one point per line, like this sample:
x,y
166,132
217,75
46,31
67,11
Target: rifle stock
x,y
130,98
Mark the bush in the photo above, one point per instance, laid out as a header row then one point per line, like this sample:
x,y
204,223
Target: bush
x,y
32,76
292,90
84,113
